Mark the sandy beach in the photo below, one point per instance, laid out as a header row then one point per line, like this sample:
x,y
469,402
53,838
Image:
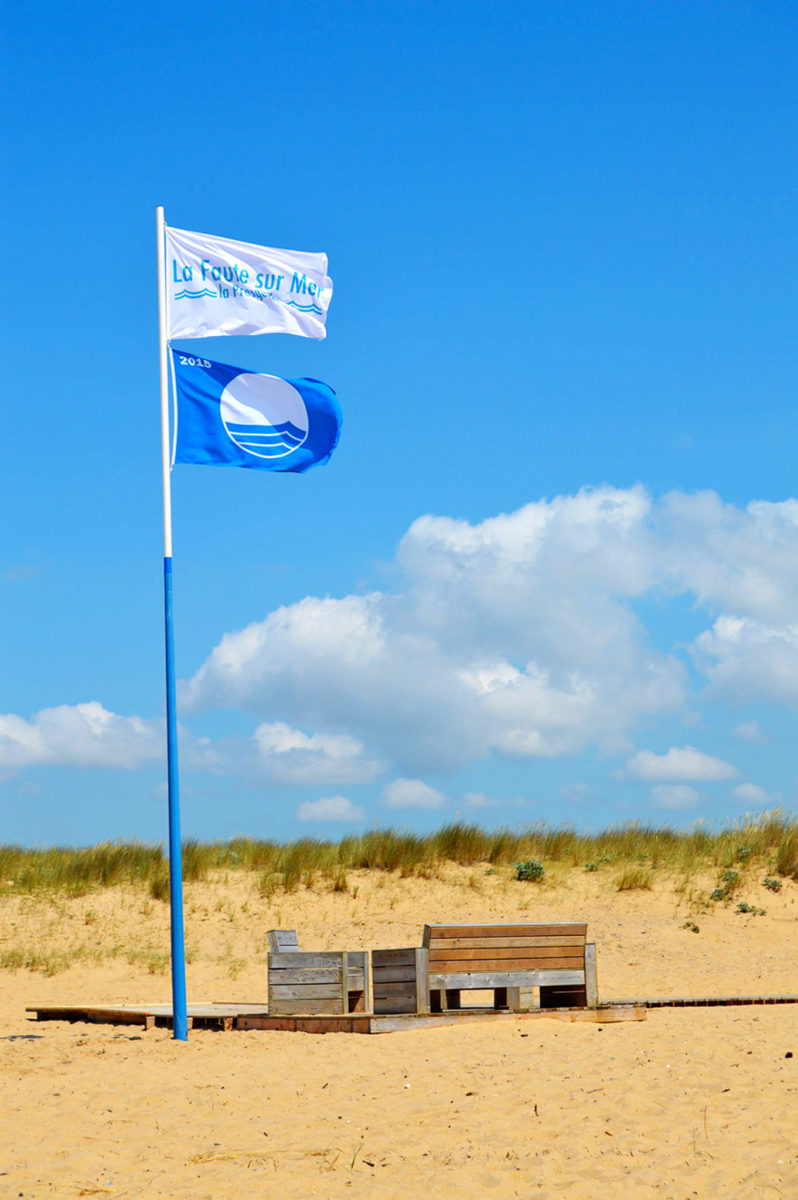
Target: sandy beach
x,y
688,1103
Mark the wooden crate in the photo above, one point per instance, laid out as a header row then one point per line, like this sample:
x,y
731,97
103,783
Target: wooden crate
x,y
400,980
322,982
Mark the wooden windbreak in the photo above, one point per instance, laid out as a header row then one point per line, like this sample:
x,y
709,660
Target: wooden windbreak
x,y
326,982
400,980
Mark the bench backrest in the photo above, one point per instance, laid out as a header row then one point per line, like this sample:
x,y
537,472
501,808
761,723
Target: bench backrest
x,y
479,949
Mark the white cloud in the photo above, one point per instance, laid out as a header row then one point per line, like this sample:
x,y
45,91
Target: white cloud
x,y
479,800
577,793
674,796
331,808
80,735
290,756
519,636
513,636
412,793
680,763
752,793
747,660
749,731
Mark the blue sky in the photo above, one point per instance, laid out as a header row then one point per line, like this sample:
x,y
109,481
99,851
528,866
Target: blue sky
x,y
551,572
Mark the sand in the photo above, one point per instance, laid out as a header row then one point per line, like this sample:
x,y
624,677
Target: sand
x,y
689,1103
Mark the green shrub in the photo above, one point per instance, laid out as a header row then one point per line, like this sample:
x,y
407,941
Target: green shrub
x,y
531,870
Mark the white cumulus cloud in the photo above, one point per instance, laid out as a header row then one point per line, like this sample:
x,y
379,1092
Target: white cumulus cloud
x,y
80,735
412,793
288,755
331,808
749,731
680,763
531,633
674,796
752,793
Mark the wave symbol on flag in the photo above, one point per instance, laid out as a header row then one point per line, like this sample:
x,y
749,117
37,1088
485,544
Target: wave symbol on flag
x,y
264,415
305,308
187,295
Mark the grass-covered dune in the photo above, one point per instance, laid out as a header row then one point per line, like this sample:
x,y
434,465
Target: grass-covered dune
x,y
631,850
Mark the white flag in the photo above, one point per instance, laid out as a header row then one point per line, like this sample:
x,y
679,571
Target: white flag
x,y
216,286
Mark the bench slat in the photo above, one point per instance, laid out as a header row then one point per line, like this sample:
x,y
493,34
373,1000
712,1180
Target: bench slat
x,y
479,942
511,953
564,928
448,966
501,979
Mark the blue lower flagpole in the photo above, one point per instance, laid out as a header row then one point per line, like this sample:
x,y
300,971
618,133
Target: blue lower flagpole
x,y
175,855
179,1012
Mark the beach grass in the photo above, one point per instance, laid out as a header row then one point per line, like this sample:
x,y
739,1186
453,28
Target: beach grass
x,y
632,850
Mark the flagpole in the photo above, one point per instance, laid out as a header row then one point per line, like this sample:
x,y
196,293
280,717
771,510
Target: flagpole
x,y
179,1013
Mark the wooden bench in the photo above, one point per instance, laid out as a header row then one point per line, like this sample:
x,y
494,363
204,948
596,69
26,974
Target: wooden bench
x,y
321,982
509,960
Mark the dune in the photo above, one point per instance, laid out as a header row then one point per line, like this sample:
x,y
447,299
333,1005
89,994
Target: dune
x,y
693,1102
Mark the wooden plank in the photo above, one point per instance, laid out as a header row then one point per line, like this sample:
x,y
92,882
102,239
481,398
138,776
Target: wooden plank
x,y
284,940
566,928
306,975
422,980
400,974
591,975
384,957
477,943
395,1006
344,994
304,1007
444,966
266,1021
304,958
297,991
494,979
95,1016
599,1016
406,990
510,953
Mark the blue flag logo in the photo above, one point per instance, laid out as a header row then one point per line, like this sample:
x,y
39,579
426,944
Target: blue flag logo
x,y
229,416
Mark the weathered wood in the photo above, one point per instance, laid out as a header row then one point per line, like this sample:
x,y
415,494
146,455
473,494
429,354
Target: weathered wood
x,y
329,981
304,958
298,991
561,996
331,1007
478,943
494,979
520,999
591,975
394,975
283,940
306,975
564,928
403,988
386,958
510,953
566,963
422,980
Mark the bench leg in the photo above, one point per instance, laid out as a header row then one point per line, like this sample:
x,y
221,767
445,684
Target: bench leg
x,y
591,976
520,999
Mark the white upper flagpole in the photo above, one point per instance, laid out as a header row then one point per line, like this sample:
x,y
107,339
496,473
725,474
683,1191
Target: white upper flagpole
x,y
179,1011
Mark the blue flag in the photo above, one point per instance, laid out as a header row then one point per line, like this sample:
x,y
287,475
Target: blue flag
x,y
228,416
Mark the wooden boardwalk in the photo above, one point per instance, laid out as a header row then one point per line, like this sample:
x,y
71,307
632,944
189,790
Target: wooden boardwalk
x,y
230,1017
255,1016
